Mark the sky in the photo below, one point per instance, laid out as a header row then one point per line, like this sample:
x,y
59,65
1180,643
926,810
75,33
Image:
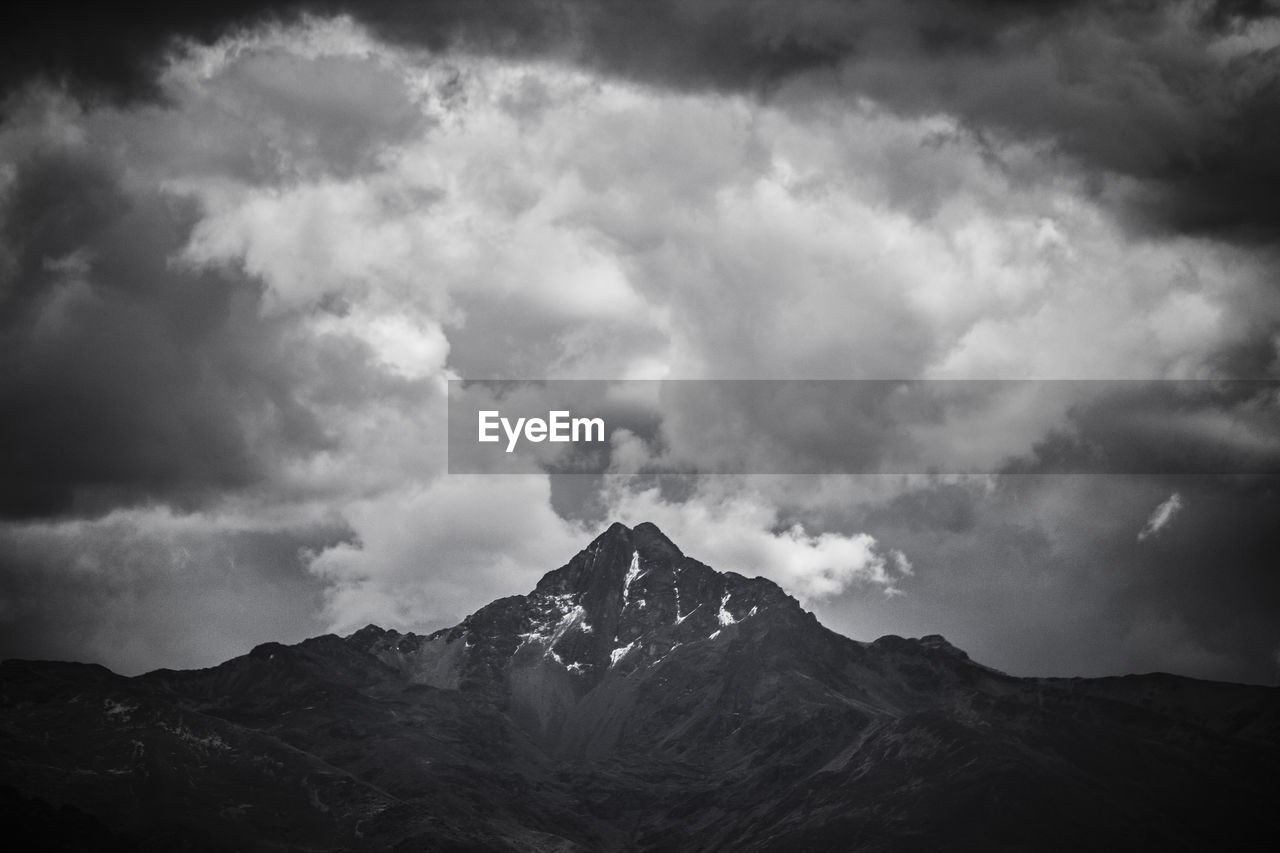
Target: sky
x,y
244,247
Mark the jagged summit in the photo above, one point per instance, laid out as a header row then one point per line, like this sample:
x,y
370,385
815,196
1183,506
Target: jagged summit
x,y
632,580
628,601
649,539
605,563
629,598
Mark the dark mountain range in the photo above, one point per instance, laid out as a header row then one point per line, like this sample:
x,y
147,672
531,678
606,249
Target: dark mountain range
x,y
635,700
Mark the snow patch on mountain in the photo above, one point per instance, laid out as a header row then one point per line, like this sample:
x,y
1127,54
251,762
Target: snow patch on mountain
x,y
563,614
725,617
633,572
620,653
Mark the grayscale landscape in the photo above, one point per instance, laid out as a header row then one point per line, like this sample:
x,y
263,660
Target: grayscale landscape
x,y
330,329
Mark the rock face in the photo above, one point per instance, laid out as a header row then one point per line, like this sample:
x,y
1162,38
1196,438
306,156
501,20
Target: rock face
x,y
636,699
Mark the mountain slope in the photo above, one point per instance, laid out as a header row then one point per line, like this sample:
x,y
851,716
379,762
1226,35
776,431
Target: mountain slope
x,y
636,699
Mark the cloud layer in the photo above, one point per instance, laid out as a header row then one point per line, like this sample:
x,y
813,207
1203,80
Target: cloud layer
x,y
1168,106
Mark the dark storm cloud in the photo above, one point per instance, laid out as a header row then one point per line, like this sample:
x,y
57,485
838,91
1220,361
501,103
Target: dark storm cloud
x,y
1131,90
1225,15
724,43
112,49
115,51
1169,428
128,378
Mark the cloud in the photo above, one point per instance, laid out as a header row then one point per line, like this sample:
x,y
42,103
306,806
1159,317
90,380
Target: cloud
x,y
1163,428
1162,516
427,555
150,362
1166,105
128,379
740,531
596,228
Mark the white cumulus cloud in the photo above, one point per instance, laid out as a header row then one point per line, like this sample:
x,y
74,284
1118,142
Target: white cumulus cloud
x,y
740,532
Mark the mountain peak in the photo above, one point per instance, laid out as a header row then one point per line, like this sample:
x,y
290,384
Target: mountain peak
x,y
939,643
650,540
645,537
605,564
615,529
627,600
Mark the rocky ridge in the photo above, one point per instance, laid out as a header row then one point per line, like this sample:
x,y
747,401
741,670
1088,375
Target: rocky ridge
x,y
636,699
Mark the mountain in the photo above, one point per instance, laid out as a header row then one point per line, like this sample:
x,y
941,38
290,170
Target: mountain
x,y
635,700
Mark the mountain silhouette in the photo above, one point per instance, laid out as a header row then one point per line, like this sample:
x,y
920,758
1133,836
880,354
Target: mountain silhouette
x,y
635,700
